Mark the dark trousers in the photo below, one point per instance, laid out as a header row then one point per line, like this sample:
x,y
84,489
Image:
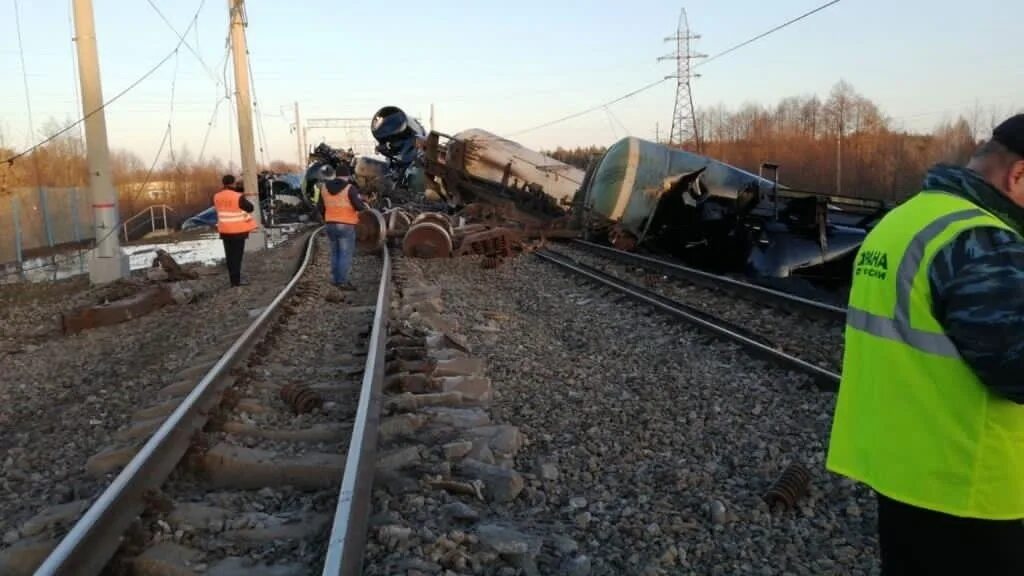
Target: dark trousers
x,y
920,542
234,248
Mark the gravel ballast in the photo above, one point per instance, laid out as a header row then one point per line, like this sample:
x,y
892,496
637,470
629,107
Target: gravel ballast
x,y
66,397
648,445
815,340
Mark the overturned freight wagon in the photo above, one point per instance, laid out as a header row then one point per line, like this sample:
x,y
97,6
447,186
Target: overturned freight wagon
x,y
476,165
720,217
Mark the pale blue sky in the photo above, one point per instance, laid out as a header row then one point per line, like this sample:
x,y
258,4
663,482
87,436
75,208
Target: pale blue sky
x,y
507,66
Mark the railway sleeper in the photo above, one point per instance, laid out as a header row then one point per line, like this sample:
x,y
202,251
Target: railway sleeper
x,y
437,407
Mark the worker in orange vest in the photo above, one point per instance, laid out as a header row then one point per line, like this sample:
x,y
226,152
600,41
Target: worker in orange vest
x,y
340,204
234,224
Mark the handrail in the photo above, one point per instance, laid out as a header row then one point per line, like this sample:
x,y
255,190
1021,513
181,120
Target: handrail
x,y
151,210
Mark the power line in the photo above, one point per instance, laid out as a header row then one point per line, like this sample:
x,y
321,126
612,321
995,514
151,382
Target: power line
x,y
593,109
220,99
617,120
24,71
181,37
611,124
168,136
256,110
28,97
658,82
170,119
763,34
9,161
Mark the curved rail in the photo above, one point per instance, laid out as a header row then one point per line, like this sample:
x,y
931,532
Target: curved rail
x,y
94,539
825,378
706,279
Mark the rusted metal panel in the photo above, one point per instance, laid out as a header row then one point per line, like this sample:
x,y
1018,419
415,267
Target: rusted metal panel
x,y
493,242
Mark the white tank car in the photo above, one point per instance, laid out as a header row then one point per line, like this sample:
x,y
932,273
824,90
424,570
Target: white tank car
x,y
488,156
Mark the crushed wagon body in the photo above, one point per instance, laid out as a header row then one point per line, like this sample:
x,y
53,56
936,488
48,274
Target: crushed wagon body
x,y
719,216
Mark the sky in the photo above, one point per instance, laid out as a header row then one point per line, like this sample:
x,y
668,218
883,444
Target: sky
x,y
502,66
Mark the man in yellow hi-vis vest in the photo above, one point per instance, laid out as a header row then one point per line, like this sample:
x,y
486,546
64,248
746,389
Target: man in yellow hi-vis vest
x,y
930,412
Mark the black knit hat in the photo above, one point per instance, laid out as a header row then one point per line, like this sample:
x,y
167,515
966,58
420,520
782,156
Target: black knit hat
x,y
1011,134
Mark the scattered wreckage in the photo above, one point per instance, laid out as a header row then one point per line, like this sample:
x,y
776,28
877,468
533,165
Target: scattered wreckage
x,y
476,192
282,202
638,194
720,217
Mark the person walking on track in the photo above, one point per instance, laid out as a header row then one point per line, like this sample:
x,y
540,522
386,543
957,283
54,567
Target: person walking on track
x,y
930,412
234,223
340,203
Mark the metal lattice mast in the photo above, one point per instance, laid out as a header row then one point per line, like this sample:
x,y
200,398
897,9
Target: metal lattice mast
x,y
684,120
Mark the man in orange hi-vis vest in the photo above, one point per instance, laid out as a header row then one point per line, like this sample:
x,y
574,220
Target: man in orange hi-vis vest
x,y
340,204
234,224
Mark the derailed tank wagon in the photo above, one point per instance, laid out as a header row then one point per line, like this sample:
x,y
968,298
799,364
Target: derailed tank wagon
x,y
720,217
641,194
474,166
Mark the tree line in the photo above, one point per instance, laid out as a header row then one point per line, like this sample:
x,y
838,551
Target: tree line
x,y
843,144
186,183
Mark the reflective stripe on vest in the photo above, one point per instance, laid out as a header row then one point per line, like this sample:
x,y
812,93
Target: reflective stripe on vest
x,y
912,420
897,327
338,208
231,219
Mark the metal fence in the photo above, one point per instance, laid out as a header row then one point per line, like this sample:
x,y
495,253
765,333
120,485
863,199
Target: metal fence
x,y
33,220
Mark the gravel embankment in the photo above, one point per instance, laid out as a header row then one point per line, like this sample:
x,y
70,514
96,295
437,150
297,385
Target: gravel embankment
x,y
65,397
812,339
649,445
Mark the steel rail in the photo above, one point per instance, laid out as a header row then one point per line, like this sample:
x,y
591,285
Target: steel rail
x,y
825,378
94,539
706,279
348,532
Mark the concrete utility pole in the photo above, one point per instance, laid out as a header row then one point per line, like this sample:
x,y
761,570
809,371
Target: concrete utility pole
x,y
106,262
431,117
240,56
298,138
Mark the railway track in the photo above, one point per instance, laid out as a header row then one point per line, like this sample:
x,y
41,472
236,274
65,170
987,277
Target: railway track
x,y
710,313
264,464
745,290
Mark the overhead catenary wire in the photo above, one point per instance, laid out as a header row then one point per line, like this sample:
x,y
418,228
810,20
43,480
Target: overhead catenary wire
x,y
167,136
261,135
659,82
10,160
219,100
185,43
766,33
170,119
28,98
24,73
611,123
592,109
